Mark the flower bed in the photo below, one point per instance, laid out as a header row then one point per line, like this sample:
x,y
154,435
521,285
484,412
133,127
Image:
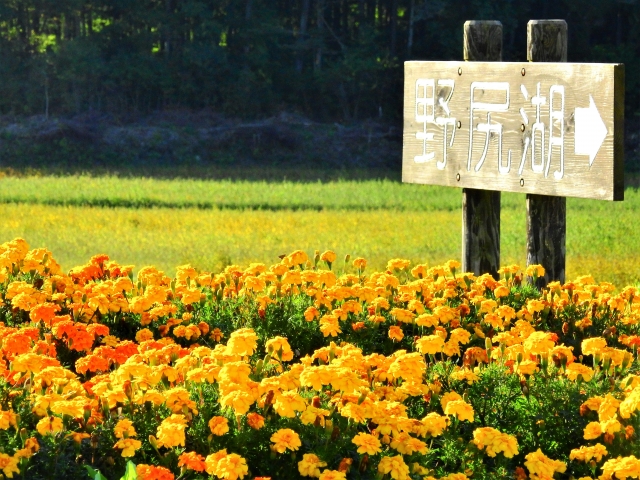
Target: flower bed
x,y
308,368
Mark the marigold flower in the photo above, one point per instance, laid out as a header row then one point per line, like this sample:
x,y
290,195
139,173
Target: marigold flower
x,y
591,346
231,467
7,420
328,256
151,472
592,430
49,425
395,467
218,425
280,348
285,439
395,333
332,475
574,369
621,467
360,263
587,453
128,446
9,465
171,431
255,420
310,465
430,344
541,466
243,342
367,443
494,442
192,461
461,409
124,429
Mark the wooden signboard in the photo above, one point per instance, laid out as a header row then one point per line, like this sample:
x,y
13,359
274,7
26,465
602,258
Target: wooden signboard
x,y
541,128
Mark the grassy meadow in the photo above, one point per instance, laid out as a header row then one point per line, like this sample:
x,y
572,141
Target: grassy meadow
x,y
211,223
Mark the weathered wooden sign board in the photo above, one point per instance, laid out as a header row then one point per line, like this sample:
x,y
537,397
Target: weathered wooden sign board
x,y
542,128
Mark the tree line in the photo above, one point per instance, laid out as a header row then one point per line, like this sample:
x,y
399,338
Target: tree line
x,y
332,60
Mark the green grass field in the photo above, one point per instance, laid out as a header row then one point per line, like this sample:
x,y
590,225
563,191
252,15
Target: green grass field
x,y
210,224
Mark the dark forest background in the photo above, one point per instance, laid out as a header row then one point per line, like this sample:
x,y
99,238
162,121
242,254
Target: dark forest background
x,y
91,84
325,59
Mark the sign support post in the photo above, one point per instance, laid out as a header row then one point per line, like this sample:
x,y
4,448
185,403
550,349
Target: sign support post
x,y
547,215
481,208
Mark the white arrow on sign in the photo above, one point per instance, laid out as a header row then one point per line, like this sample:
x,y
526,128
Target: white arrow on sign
x,y
590,131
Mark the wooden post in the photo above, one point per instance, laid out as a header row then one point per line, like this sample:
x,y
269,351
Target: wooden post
x,y
547,215
481,208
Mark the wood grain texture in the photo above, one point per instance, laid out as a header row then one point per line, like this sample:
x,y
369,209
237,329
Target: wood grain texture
x,y
481,231
547,215
546,236
603,179
481,208
547,41
482,41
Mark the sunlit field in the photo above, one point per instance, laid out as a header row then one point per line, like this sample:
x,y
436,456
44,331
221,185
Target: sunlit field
x,y
210,224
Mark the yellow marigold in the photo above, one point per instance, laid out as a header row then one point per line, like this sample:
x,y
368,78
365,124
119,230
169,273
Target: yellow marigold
x,y
402,315
366,443
397,264
124,429
494,442
611,425
7,419
592,430
128,446
329,325
435,424
285,439
430,344
461,409
395,467
591,346
232,466
243,341
311,314
608,408
9,465
328,256
287,403
526,367
239,400
448,397
408,366
574,369
360,263
144,335
465,375
541,466
332,475
310,465
621,468
538,343
218,425
631,404
395,333
49,426
534,271
171,431
407,445
587,453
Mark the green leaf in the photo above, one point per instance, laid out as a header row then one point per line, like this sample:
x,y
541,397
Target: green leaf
x,y
95,474
130,473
